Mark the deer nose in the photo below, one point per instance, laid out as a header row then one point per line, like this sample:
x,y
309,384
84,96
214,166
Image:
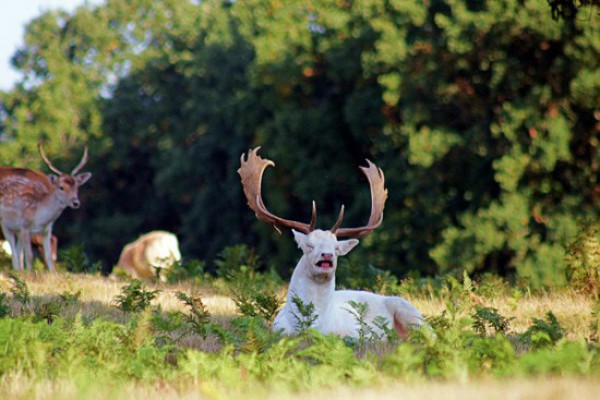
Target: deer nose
x,y
75,203
327,256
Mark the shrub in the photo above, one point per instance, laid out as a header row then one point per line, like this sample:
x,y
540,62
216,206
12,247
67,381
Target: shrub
x,y
75,260
583,260
306,315
488,317
199,317
235,259
543,333
134,297
4,306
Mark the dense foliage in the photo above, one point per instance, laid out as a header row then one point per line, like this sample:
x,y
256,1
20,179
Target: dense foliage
x,y
483,114
56,336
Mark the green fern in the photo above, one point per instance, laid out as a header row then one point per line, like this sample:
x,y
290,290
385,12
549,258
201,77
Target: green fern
x,y
134,297
306,315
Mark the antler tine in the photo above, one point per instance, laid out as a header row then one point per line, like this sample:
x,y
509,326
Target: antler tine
x,y
251,172
43,155
313,218
378,197
339,221
84,160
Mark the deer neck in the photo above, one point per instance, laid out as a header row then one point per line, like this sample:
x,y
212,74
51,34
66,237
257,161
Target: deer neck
x,y
311,290
49,209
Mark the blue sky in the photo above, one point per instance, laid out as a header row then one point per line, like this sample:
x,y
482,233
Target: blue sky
x,y
14,15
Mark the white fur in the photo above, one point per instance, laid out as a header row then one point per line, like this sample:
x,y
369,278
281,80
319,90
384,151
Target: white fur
x,y
157,249
314,284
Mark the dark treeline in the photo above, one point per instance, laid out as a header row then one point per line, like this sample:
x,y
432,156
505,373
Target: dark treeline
x,y
483,115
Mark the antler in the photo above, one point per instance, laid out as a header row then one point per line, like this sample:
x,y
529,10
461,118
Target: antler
x,y
378,197
52,167
79,166
84,160
251,172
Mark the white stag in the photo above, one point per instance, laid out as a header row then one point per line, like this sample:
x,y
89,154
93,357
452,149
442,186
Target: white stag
x,y
313,279
156,249
30,203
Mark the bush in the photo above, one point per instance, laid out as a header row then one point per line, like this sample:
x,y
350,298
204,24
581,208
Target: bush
x,y
134,297
583,260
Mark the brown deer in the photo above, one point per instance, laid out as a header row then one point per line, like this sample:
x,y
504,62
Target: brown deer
x,y
30,203
37,243
313,279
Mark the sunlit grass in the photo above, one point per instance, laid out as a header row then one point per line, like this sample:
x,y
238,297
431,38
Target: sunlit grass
x,y
98,293
96,299
543,388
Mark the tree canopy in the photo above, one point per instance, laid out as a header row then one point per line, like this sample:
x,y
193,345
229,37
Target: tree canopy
x,y
482,114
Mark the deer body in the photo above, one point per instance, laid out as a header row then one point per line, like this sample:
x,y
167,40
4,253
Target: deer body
x,y
37,241
313,279
156,249
30,203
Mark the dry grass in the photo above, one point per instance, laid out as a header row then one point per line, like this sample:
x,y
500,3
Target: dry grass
x,y
546,388
552,388
97,299
573,310
98,293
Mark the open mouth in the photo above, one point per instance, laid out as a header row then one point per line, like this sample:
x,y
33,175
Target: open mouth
x,y
326,264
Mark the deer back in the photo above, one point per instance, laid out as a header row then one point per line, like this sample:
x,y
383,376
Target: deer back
x,y
23,186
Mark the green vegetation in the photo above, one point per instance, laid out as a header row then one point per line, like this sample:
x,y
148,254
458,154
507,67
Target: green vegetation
x,y
181,343
483,115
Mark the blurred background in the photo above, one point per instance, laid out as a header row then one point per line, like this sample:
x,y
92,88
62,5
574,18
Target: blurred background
x,y
483,115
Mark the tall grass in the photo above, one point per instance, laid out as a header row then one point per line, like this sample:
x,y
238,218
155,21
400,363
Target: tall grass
x,y
68,336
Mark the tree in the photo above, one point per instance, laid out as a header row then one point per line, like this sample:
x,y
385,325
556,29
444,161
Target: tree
x,y
483,115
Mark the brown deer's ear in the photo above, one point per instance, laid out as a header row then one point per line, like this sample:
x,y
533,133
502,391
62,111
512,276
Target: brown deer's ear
x,y
53,178
83,178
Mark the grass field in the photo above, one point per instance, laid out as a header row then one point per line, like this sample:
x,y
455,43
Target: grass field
x,y
253,363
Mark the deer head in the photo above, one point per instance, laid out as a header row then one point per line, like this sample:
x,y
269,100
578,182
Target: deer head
x,y
67,185
320,248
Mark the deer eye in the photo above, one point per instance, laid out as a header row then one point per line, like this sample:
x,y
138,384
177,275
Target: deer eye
x,y
310,246
61,187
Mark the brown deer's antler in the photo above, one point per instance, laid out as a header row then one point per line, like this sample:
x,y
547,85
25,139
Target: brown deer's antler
x,y
52,167
79,166
84,160
251,172
378,197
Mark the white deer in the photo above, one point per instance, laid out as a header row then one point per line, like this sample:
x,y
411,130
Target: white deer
x,y
313,279
30,203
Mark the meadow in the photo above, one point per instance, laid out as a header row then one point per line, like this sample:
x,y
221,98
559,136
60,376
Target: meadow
x,y
72,335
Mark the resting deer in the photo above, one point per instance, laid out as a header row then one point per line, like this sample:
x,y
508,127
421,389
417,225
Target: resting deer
x,y
313,279
156,249
30,203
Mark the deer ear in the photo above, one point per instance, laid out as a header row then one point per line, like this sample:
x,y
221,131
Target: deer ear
x,y
53,178
344,246
83,178
301,240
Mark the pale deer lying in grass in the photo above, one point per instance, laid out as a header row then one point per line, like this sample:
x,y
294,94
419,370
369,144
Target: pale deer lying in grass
x,y
313,279
156,249
30,203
